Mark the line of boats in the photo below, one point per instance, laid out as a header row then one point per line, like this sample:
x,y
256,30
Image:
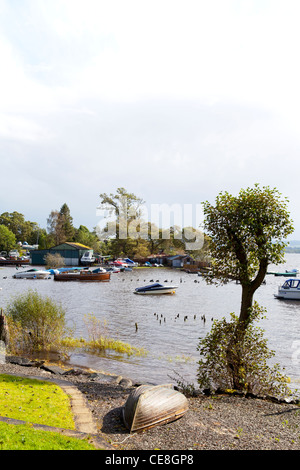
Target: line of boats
x,y
88,275
290,290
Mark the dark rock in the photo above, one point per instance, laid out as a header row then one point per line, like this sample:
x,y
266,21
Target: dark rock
x,y
105,378
20,361
76,372
53,369
125,383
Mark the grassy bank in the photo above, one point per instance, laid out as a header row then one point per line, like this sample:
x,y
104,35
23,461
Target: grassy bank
x,y
40,402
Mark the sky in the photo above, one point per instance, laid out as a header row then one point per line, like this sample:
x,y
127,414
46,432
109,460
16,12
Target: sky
x,y
173,100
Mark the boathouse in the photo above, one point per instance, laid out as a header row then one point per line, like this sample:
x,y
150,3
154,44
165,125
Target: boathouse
x,y
71,252
179,261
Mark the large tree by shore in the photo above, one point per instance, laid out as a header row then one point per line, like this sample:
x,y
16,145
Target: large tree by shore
x,y
247,233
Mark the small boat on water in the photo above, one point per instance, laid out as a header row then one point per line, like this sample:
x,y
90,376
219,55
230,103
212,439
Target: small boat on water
x,y
98,274
113,269
32,274
155,288
292,273
286,273
151,405
289,290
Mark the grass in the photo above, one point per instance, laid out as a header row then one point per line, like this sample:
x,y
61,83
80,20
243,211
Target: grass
x,y
24,437
35,401
40,402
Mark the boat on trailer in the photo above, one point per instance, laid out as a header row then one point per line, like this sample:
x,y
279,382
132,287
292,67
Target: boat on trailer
x,y
290,290
155,288
151,405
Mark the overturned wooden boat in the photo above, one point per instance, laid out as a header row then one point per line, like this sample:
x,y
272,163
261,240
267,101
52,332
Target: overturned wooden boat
x,y
83,275
151,405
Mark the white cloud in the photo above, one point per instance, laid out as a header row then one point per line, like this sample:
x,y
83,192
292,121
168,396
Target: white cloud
x,y
176,100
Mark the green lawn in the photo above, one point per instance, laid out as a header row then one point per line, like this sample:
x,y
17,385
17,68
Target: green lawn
x,y
35,401
23,437
40,402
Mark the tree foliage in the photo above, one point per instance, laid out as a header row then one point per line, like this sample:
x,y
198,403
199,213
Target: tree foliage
x,y
60,225
229,364
24,230
247,232
7,239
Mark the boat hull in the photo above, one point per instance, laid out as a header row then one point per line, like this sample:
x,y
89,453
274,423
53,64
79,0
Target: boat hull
x,y
82,276
148,406
289,295
170,290
32,275
287,274
290,290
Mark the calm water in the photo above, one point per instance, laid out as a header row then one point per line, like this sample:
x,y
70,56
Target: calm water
x,y
170,340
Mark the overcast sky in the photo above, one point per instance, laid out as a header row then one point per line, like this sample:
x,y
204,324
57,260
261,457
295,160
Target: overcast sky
x,y
173,100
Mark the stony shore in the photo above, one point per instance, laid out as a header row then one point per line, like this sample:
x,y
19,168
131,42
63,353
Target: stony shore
x,y
219,422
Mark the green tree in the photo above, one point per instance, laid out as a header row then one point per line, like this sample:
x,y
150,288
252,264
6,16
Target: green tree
x,y
246,233
66,222
128,227
7,239
60,225
16,223
85,237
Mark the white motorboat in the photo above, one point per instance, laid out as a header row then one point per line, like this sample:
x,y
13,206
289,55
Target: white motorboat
x,y
87,258
289,290
155,289
32,274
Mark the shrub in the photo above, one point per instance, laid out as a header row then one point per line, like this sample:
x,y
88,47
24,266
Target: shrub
x,y
54,260
227,360
35,323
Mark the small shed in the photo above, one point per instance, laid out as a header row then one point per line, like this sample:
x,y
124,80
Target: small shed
x,y
178,261
71,252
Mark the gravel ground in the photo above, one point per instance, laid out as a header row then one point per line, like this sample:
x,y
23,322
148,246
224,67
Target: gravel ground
x,y
220,422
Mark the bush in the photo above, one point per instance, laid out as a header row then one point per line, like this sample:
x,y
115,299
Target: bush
x,y
54,260
35,323
228,363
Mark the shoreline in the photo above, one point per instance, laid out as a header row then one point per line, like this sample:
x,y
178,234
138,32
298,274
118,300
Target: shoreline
x,y
216,422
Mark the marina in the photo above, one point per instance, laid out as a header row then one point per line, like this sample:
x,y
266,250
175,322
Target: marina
x,y
168,327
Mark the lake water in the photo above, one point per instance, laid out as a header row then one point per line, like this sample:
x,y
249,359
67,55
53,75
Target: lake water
x,y
170,339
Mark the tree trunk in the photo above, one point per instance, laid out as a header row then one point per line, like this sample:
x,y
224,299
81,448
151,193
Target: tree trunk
x,y
246,304
234,356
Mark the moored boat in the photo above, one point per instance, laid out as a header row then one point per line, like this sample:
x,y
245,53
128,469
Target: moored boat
x,y
155,288
32,274
292,273
290,290
149,406
87,258
98,274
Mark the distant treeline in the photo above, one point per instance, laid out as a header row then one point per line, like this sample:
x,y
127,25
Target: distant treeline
x,y
292,249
